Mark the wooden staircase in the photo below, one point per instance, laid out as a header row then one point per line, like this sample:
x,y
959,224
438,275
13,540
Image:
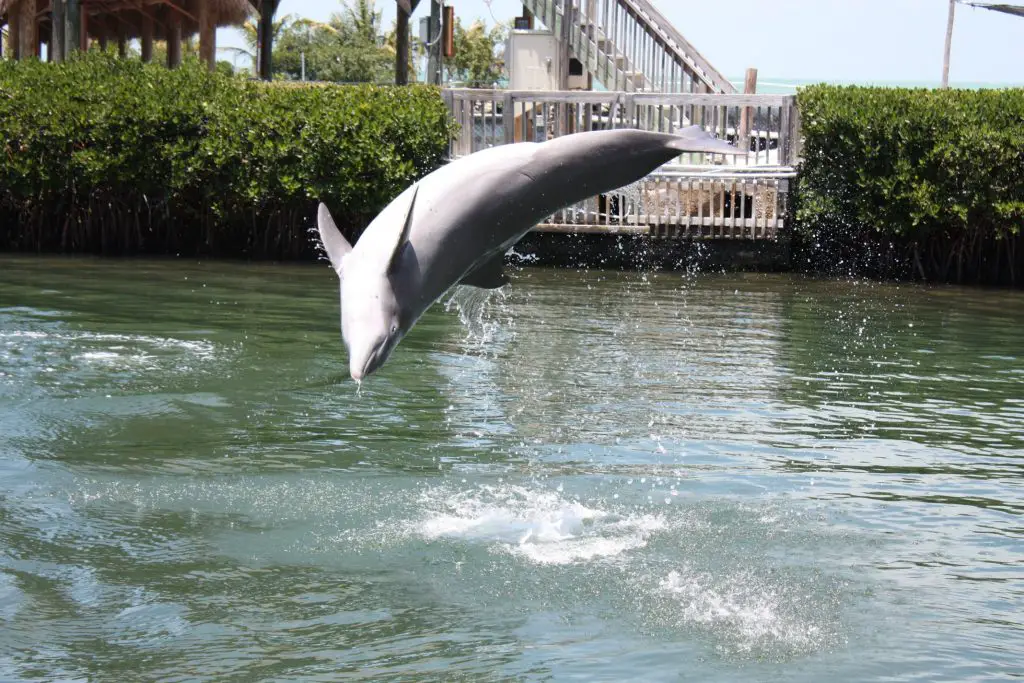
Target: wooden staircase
x,y
628,45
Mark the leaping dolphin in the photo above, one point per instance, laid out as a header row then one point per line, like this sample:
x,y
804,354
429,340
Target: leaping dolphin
x,y
455,224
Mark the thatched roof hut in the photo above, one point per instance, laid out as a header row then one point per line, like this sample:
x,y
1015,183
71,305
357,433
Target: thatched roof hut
x,y
32,22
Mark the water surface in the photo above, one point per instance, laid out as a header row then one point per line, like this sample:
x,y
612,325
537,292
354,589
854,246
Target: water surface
x,y
588,475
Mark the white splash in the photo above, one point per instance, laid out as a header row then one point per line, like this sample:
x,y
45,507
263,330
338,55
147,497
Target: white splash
x,y
480,312
753,613
100,350
539,525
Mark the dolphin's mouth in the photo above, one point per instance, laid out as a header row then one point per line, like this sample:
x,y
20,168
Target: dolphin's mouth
x,y
372,362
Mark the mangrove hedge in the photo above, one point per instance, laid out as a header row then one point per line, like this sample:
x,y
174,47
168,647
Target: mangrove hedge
x,y
113,156
913,183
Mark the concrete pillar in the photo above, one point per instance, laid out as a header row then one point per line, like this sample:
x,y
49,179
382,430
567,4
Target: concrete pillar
x,y
207,35
147,38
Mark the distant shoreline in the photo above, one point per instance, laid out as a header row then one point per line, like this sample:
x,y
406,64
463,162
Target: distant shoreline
x,y
769,85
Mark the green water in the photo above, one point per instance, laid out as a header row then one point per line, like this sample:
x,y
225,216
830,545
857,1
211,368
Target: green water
x,y
588,476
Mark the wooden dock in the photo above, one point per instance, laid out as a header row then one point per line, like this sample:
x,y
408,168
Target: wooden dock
x,y
696,196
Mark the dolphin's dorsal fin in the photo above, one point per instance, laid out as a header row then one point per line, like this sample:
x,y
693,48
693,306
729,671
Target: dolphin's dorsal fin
x,y
403,237
334,242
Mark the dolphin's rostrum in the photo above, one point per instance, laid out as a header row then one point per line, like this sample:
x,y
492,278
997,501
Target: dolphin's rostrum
x,y
455,224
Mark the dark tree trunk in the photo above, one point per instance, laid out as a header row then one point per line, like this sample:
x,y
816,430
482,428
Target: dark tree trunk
x,y
405,8
266,37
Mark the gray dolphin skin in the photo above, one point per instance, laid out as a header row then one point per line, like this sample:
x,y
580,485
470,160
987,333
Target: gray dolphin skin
x,y
455,224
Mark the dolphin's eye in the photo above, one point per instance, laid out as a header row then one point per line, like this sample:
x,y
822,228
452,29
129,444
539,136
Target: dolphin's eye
x,y
394,329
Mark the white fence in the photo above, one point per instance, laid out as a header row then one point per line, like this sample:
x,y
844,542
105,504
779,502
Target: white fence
x,y
695,195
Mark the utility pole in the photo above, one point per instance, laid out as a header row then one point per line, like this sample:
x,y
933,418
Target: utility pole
x,y
949,44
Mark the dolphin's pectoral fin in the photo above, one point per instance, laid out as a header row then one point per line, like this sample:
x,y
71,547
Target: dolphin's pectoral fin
x,y
488,275
334,242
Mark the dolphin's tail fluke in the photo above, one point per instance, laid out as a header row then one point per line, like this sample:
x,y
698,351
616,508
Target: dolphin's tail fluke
x,y
696,139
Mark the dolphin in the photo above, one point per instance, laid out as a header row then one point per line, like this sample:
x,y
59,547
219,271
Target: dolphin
x,y
455,224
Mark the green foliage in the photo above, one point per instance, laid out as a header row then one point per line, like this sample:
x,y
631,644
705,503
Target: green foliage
x,y
103,154
478,61
913,167
350,48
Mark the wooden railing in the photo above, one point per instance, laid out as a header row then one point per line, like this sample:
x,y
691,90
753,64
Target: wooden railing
x,y
697,194
769,131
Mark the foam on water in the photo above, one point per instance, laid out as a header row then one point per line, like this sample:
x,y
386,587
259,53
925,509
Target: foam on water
x,y
539,525
61,351
199,348
749,612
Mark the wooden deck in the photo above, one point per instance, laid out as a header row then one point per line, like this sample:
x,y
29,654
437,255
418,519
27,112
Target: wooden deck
x,y
698,196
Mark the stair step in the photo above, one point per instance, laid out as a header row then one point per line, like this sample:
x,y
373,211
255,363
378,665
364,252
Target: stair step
x,y
600,53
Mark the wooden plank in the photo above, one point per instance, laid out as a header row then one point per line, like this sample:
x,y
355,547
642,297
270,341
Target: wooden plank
x,y
591,229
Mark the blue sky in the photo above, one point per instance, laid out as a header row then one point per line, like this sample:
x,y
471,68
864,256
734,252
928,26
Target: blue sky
x,y
830,40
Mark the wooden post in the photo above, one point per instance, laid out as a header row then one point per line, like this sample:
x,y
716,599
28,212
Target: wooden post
x,y
207,35
173,39
83,28
55,53
14,32
29,29
29,34
949,44
405,9
747,115
266,37
147,38
72,27
448,32
122,39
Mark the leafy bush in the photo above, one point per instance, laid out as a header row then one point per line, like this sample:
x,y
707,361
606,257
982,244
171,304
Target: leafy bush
x,y
932,178
114,156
